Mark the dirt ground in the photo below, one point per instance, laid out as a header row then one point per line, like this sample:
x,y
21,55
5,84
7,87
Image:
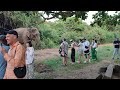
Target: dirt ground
x,y
88,72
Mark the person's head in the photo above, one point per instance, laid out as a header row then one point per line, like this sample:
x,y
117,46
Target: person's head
x,y
29,44
80,40
11,37
93,39
64,39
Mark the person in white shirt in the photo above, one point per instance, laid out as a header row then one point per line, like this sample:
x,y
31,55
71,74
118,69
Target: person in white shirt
x,y
93,49
29,61
86,44
80,50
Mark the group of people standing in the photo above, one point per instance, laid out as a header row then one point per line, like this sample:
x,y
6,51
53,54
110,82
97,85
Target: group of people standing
x,y
14,55
85,49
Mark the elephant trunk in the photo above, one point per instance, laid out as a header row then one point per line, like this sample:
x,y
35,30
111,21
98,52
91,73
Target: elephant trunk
x,y
37,42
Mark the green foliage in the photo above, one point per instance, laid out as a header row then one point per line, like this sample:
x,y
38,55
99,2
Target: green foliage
x,y
53,32
16,19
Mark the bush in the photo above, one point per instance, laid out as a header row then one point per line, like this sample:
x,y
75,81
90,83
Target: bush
x,y
52,33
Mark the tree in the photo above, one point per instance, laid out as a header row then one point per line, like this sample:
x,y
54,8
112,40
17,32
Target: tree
x,y
16,19
64,14
102,18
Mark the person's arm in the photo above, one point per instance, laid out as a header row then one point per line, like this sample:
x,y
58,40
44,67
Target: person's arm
x,y
18,56
78,44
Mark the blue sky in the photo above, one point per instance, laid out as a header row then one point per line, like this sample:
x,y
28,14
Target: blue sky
x,y
89,19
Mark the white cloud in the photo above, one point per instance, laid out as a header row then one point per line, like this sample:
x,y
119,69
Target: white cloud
x,y
89,18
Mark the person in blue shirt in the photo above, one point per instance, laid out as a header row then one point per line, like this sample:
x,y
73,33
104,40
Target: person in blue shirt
x,y
3,63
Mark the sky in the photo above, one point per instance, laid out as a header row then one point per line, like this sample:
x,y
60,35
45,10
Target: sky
x,y
89,18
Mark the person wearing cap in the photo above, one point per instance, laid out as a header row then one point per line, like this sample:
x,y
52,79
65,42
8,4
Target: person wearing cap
x,y
15,56
3,63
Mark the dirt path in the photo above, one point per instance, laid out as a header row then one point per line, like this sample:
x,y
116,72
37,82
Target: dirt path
x,y
50,53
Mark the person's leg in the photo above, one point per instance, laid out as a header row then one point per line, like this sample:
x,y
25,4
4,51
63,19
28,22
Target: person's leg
x,y
31,71
117,51
73,59
81,54
27,72
85,55
66,60
114,52
89,57
63,60
92,53
79,57
71,55
95,54
29,68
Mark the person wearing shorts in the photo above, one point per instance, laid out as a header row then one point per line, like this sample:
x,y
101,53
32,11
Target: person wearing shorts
x,y
86,50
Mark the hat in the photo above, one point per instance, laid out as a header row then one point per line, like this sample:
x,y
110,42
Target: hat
x,y
2,37
13,32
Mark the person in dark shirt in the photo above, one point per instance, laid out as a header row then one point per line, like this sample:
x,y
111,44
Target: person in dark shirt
x,y
116,44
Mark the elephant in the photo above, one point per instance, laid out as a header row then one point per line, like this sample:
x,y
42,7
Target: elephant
x,y
28,34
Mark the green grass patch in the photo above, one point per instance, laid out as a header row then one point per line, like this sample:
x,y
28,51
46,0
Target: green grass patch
x,y
103,53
